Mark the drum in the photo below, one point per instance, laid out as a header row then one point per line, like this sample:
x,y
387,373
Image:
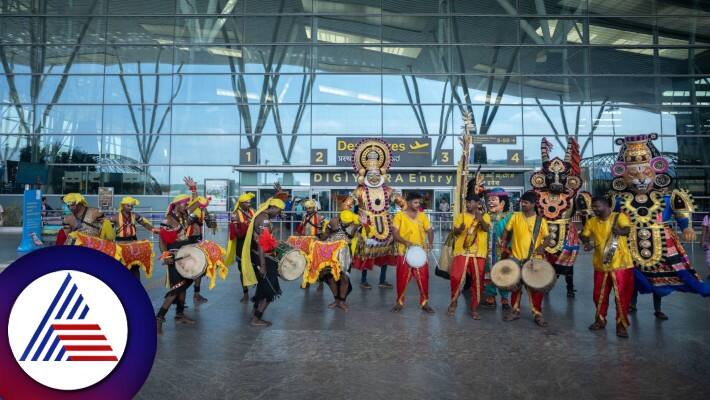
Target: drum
x,y
108,247
415,256
291,262
505,274
191,261
539,275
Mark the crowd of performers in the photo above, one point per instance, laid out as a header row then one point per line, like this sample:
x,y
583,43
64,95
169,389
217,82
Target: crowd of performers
x,y
495,253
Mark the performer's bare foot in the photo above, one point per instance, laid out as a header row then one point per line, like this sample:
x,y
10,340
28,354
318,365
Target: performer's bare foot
x,y
333,304
475,315
244,298
397,308
490,302
198,298
660,315
184,319
341,305
258,322
505,303
385,285
597,325
540,321
452,308
427,309
621,331
511,316
159,324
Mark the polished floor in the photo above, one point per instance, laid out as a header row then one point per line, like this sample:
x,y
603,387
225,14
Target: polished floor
x,y
312,352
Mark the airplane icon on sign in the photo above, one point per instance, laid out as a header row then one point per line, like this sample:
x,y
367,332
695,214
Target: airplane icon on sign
x,y
416,145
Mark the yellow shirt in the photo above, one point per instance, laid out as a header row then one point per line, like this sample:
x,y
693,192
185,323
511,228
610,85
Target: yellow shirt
x,y
599,232
522,230
412,230
479,248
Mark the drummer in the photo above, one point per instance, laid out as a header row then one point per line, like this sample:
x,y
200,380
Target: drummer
x,y
619,273
238,226
83,219
522,227
411,227
125,226
470,253
196,220
345,227
173,235
257,244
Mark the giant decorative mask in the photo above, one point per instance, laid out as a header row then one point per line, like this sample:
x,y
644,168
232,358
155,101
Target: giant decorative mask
x,y
557,175
639,167
371,160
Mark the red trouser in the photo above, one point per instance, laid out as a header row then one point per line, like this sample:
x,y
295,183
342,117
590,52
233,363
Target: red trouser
x,y
534,296
622,281
460,266
405,273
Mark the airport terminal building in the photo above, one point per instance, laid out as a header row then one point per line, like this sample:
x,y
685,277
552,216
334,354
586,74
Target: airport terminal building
x,y
135,95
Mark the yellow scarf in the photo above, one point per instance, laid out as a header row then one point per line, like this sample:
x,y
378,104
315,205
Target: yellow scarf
x,y
248,275
232,243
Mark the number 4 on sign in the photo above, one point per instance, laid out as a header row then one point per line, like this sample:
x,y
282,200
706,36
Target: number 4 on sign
x,y
515,157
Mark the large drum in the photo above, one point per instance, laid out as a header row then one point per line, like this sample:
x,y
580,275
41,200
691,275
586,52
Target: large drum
x,y
291,262
191,261
139,254
505,274
539,275
415,256
108,247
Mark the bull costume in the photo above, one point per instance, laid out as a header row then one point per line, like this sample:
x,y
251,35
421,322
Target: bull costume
x,y
557,186
642,188
371,160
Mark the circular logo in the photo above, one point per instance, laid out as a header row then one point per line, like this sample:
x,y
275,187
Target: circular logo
x,y
78,324
82,326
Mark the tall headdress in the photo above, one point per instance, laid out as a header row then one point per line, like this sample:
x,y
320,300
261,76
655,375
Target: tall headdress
x,y
371,155
636,150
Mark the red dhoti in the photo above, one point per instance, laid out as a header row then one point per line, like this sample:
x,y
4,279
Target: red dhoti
x,y
462,265
405,273
534,296
622,281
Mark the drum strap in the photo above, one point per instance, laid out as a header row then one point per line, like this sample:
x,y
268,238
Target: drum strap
x,y
536,231
611,237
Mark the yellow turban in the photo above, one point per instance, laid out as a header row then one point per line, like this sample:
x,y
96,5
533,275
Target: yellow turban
x,y
278,203
74,198
349,217
245,197
130,201
309,203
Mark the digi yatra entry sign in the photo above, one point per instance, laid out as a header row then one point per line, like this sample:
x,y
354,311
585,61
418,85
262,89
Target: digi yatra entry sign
x,y
77,324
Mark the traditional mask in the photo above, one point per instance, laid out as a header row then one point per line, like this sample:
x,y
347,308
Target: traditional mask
x,y
371,160
557,175
497,200
639,167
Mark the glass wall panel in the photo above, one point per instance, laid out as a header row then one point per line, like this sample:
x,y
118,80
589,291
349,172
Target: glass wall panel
x,y
209,30
364,89
136,149
205,150
147,119
356,120
205,119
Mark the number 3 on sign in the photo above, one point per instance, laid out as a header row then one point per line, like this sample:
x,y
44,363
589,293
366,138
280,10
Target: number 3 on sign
x,y
515,157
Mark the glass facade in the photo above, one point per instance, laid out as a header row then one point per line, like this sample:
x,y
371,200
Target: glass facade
x,y
138,94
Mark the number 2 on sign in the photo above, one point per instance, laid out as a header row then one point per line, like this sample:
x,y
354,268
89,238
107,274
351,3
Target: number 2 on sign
x,y
319,157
